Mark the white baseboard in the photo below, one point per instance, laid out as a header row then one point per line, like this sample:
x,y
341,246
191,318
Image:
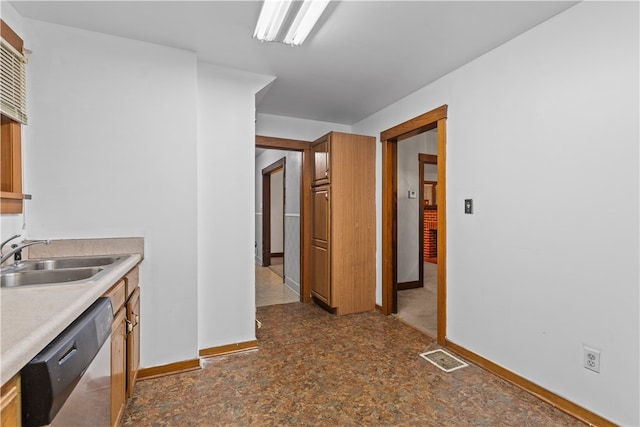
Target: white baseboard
x,y
291,284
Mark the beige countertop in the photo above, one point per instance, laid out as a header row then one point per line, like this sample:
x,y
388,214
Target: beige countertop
x,y
31,317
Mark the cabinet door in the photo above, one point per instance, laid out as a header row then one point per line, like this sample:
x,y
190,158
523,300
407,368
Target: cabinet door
x,y
118,367
321,161
320,285
320,245
10,403
321,216
133,340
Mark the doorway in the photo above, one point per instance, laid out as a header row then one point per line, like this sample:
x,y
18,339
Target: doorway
x,y
304,202
417,232
428,209
390,138
273,200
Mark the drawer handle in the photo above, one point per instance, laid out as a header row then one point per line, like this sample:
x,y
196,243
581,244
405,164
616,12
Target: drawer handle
x,y
68,354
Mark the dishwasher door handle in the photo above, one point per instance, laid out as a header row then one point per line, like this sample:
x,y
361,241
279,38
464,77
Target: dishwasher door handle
x,y
68,354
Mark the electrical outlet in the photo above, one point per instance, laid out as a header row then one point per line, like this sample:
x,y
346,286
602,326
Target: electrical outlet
x,y
592,359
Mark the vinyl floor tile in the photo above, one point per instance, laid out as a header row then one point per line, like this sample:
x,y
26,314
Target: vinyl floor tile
x,y
270,288
316,369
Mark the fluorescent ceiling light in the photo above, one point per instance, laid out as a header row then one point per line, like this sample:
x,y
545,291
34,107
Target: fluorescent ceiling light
x,y
298,16
304,21
271,18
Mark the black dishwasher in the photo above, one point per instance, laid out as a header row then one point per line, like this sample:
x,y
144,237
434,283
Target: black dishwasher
x,y
49,380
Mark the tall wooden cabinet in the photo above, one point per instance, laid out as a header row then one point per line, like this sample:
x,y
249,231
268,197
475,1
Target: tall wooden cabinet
x,y
343,246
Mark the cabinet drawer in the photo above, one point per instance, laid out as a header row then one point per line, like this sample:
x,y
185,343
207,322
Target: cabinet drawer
x,y
117,295
131,281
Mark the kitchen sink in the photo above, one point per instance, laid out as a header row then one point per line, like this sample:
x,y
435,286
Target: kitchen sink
x,y
46,277
57,271
60,263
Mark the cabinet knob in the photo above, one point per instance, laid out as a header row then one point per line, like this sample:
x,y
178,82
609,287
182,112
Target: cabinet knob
x,y
326,174
130,324
326,196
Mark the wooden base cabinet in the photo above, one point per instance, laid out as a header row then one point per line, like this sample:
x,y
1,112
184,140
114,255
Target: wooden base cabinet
x,y
118,352
125,342
133,340
10,409
343,245
125,354
118,367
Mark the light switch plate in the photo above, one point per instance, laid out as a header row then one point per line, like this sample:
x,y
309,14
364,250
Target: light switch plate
x,y
468,206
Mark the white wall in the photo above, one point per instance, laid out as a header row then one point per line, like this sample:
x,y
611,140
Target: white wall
x,y
293,128
108,154
120,160
11,17
542,268
408,222
226,161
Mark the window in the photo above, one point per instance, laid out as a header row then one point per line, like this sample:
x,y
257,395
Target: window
x,y
13,88
13,112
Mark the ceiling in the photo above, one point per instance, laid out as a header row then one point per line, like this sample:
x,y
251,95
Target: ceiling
x,y
363,55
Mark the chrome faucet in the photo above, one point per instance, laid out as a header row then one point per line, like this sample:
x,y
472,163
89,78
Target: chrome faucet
x,y
3,244
17,248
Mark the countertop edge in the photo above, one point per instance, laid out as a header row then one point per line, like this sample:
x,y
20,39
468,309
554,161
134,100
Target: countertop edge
x,y
73,300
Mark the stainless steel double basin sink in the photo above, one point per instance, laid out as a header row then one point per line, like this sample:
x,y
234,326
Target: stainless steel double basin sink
x,y
57,271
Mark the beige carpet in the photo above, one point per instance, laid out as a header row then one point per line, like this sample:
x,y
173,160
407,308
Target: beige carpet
x,y
418,307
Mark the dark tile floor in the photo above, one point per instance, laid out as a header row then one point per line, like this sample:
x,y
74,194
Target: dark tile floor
x,y
316,369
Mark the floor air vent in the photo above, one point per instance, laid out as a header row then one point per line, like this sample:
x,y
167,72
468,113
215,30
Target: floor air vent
x,y
443,360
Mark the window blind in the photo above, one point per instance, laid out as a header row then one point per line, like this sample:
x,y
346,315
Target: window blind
x,y
13,83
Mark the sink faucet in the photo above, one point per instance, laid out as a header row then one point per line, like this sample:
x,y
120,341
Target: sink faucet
x,y
17,248
3,244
